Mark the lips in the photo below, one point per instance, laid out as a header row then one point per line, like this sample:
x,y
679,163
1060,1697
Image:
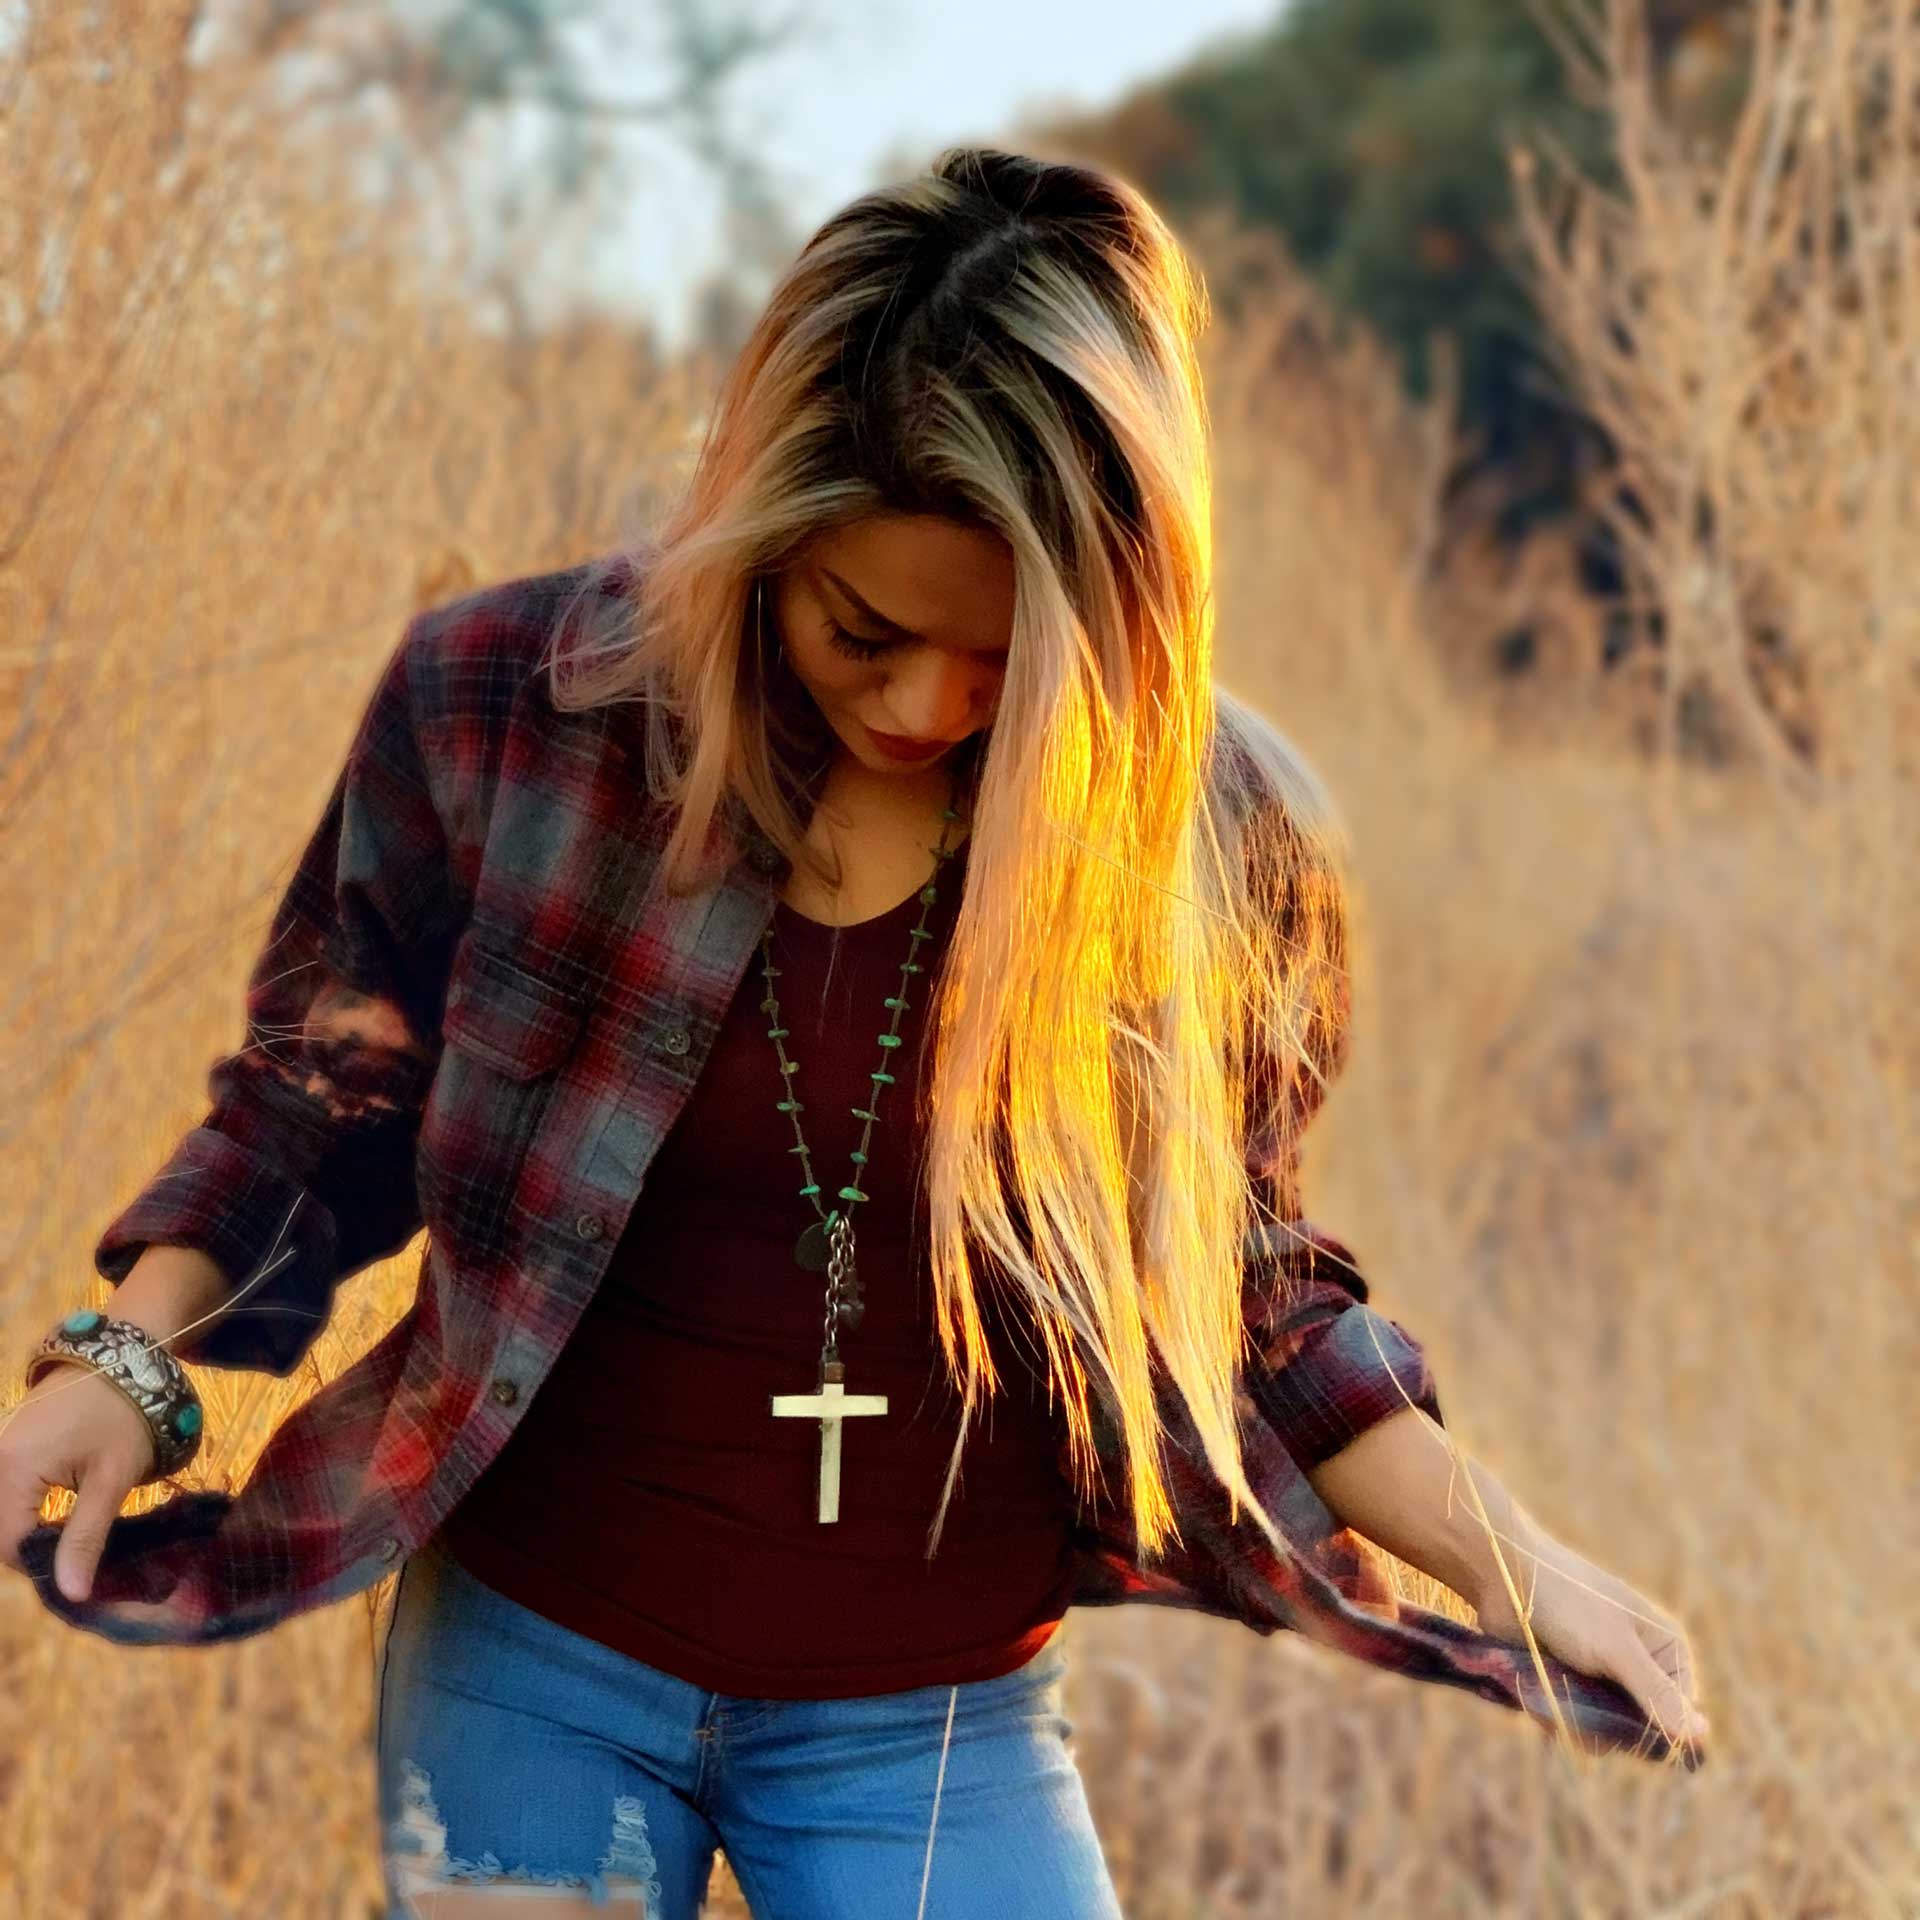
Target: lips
x,y
905,749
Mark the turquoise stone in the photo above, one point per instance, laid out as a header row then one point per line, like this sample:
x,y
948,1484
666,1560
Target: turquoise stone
x,y
84,1321
188,1420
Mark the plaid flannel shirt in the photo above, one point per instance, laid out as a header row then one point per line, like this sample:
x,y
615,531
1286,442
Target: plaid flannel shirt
x,y
473,1014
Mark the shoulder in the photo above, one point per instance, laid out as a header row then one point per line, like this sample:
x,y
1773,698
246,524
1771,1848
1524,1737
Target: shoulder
x,y
477,670
1263,787
473,657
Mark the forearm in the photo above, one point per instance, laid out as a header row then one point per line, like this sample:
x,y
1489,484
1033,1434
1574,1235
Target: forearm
x,y
169,1288
1398,1485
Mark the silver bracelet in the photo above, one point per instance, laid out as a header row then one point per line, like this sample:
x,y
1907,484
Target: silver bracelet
x,y
141,1368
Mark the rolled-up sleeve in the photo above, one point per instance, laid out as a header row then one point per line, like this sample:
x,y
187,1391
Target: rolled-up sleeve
x,y
302,1171
1323,1364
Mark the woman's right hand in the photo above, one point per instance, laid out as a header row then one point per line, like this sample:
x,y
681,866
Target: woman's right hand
x,y
73,1429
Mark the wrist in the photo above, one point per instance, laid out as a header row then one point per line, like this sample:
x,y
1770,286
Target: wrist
x,y
1526,1548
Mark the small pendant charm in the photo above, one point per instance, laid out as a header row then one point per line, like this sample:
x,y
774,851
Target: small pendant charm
x,y
852,1307
811,1249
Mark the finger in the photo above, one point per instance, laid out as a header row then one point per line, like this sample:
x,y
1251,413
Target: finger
x,y
1657,1692
96,1506
1667,1642
1668,1645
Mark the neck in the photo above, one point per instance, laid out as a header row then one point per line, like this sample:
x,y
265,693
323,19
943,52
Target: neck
x,y
854,790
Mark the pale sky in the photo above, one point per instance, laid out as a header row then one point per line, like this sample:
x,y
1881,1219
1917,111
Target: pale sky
x,y
830,107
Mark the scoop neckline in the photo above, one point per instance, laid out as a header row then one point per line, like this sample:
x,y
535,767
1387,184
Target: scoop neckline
x,y
897,910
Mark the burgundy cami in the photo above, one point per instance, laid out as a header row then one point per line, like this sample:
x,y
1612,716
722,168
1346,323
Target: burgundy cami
x,y
650,1499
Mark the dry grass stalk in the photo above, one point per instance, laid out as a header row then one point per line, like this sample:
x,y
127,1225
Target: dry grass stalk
x,y
1627,1134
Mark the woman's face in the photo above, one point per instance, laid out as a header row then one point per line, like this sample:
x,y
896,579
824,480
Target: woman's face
x,y
899,624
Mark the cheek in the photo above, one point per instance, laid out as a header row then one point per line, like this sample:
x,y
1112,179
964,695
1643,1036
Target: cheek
x,y
830,675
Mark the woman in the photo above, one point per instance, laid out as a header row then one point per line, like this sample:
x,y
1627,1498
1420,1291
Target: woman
x,y
889,783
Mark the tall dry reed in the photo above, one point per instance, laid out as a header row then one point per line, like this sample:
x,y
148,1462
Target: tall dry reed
x,y
1627,1134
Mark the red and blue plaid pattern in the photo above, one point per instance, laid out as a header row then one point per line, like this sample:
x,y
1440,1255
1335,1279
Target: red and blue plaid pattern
x,y
475,1013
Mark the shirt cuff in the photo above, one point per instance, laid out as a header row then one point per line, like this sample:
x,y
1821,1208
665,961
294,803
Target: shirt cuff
x,y
1348,1372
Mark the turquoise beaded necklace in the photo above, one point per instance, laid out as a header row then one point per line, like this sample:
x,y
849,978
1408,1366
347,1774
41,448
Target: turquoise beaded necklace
x,y
826,1243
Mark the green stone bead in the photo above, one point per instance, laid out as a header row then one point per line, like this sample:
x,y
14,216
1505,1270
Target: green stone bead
x,y
912,966
891,1040
887,1077
789,1106
788,1066
928,894
778,1033
865,1113
796,1149
851,1193
894,1000
187,1420
859,1159
947,813
812,1186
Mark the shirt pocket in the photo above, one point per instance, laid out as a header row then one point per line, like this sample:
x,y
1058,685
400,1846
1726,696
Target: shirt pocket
x,y
507,1015
507,1032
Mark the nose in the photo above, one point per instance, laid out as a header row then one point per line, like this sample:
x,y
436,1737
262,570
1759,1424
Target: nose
x,y
940,699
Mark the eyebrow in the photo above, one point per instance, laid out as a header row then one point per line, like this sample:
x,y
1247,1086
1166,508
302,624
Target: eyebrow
x,y
879,619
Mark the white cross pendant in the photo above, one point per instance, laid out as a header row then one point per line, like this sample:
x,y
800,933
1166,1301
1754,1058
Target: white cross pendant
x,y
830,1406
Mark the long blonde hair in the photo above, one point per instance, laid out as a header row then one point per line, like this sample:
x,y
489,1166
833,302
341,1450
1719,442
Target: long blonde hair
x,y
1153,873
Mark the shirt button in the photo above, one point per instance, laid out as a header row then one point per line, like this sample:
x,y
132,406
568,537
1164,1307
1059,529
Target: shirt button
x,y
389,1549
676,1039
505,1391
765,857
589,1226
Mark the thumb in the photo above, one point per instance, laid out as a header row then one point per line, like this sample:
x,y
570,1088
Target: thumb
x,y
96,1505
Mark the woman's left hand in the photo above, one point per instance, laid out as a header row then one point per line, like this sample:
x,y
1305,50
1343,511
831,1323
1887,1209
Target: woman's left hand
x,y
1600,1625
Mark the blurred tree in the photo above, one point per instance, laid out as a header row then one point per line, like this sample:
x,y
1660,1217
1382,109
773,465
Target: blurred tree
x,y
445,85
1375,134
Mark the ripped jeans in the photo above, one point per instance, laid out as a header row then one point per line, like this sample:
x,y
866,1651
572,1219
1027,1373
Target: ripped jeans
x,y
514,1751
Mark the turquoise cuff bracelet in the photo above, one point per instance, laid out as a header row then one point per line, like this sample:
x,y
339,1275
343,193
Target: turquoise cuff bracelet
x,y
142,1369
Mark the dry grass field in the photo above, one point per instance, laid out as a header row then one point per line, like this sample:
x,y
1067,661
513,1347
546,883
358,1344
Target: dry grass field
x,y
1628,1135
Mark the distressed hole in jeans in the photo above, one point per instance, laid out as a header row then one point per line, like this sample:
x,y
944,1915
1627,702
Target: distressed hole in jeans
x,y
434,1886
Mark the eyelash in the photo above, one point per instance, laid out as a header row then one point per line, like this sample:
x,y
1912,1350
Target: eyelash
x,y
852,645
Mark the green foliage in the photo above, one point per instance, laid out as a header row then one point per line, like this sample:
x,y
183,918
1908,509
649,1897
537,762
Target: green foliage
x,y
1375,135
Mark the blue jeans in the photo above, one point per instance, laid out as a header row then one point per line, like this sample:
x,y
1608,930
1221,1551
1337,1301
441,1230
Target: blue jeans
x,y
511,1748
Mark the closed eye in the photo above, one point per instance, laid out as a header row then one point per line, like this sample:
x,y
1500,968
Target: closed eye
x,y
852,645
